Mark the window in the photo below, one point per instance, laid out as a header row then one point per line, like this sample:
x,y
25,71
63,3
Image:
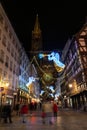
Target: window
x,y
17,71
10,34
7,61
82,42
11,65
5,74
0,73
0,34
8,47
15,56
70,54
1,19
6,27
14,68
12,52
2,56
4,40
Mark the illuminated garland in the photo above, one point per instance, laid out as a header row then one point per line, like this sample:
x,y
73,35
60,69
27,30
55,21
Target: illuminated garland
x,y
55,58
43,55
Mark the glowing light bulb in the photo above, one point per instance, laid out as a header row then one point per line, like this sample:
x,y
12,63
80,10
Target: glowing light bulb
x,y
41,56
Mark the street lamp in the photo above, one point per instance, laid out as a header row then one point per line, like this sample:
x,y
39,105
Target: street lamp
x,y
70,85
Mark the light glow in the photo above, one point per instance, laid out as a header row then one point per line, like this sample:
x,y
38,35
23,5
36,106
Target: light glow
x,y
56,59
31,79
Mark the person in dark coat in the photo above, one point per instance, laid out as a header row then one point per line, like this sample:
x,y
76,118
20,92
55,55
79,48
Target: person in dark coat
x,y
7,113
17,107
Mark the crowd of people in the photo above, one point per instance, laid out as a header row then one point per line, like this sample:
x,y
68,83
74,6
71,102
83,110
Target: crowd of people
x,y
48,110
6,113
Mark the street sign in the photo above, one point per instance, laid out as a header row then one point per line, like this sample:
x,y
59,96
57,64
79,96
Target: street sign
x,y
1,89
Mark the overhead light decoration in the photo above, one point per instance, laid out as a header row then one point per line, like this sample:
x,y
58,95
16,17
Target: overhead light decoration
x,y
55,57
48,77
42,55
31,79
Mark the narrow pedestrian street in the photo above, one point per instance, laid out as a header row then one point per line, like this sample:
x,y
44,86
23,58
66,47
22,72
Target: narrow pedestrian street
x,y
66,120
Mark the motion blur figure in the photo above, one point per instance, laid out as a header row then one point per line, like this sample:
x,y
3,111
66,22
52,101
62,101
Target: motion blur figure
x,y
7,110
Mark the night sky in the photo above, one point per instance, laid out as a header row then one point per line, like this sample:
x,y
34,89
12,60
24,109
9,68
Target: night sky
x,y
58,21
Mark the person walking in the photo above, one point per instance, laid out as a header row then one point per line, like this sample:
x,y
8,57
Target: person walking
x,y
7,111
47,111
24,112
55,110
17,107
43,113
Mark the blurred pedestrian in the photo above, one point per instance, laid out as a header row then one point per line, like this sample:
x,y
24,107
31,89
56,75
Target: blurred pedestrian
x,y
17,107
24,112
55,110
47,108
43,114
7,111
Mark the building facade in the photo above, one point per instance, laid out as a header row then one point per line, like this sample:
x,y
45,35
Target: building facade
x,y
9,58
24,73
14,64
74,76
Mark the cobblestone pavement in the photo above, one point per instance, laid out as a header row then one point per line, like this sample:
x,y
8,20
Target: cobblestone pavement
x,y
66,120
